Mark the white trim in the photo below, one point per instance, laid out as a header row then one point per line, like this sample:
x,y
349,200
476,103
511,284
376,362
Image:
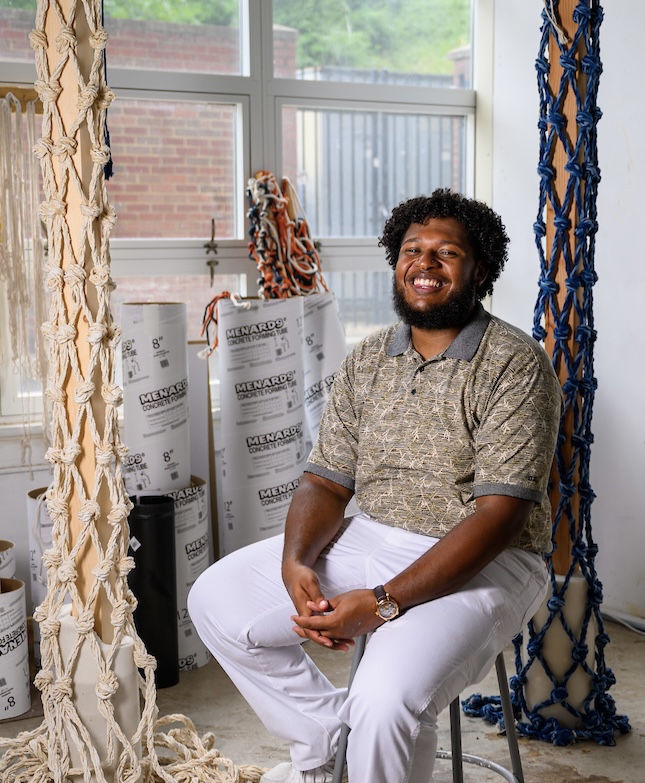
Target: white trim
x,y
483,78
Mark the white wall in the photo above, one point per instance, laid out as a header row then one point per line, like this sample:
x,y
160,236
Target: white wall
x,y
618,453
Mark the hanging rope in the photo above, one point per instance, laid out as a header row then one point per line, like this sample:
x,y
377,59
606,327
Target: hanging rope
x,y
80,299
211,317
22,257
597,719
281,245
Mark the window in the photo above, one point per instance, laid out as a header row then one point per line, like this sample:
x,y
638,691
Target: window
x,y
360,104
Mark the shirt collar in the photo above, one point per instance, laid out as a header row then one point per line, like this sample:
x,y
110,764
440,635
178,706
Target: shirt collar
x,y
464,346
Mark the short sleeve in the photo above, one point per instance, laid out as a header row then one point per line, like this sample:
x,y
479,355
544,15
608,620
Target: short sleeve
x,y
335,452
518,430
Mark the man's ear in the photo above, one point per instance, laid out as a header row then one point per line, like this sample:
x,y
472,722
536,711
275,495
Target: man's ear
x,y
481,272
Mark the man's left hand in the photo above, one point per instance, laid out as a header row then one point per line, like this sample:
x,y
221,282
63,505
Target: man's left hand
x,y
351,614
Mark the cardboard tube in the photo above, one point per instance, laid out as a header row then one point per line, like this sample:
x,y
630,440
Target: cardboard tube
x,y
557,652
15,696
7,560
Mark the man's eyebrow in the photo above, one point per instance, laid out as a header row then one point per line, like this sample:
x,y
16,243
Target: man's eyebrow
x,y
441,241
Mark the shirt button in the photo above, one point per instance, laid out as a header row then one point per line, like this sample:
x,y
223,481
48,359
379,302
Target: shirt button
x,y
422,368
413,391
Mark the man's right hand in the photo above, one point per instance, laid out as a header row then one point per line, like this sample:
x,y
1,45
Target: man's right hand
x,y
304,588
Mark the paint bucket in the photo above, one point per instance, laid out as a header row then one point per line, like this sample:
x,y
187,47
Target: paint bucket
x,y
7,560
155,396
15,697
192,552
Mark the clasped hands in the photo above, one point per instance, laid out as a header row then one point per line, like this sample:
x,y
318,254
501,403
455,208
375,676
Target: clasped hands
x,y
331,622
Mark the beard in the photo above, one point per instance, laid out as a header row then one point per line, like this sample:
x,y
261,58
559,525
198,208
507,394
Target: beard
x,y
455,312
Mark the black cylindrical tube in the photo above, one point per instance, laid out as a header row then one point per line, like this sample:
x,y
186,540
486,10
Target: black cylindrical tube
x,y
154,582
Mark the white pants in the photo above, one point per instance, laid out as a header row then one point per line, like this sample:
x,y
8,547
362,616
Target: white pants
x,y
412,669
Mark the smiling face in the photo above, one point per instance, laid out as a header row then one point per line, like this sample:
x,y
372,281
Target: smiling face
x,y
436,275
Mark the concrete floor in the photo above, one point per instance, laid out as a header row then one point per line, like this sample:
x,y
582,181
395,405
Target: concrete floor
x,y
210,700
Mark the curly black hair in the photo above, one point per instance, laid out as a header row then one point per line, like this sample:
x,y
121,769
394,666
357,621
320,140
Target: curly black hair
x,y
485,229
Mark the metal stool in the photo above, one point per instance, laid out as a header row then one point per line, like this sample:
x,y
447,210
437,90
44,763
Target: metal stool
x,y
456,753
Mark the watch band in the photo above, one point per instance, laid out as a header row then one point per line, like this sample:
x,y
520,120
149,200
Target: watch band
x,y
379,592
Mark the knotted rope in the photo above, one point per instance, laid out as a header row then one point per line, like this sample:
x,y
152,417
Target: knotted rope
x,y
281,245
81,300
597,719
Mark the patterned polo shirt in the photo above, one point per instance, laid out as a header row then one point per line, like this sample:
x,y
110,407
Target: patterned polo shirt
x,y
418,441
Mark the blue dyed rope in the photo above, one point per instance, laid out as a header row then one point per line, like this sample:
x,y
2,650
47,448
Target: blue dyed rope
x,y
597,719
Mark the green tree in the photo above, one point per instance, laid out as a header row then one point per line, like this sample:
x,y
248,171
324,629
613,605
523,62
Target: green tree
x,y
399,35
216,12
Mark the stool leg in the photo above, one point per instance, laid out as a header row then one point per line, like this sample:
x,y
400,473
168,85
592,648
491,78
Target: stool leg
x,y
455,742
341,752
509,718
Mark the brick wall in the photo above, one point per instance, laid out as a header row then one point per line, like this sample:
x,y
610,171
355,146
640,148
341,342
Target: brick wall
x,y
173,160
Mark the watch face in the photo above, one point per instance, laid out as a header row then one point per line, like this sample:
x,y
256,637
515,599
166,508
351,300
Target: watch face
x,y
388,609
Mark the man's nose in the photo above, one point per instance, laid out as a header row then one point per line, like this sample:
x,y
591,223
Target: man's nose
x,y
428,259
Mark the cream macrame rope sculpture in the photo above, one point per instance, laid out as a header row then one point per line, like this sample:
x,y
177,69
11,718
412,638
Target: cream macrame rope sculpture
x,y
86,500
21,254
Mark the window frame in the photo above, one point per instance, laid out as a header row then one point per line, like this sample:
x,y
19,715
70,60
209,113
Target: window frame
x,y
259,98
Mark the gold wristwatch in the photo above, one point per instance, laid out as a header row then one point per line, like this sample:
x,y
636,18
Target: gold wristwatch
x,y
386,607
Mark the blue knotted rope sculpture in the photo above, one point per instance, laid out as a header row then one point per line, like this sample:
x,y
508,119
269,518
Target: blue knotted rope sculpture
x,y
571,316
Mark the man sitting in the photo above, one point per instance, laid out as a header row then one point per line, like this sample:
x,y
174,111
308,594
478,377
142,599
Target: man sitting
x,y
442,428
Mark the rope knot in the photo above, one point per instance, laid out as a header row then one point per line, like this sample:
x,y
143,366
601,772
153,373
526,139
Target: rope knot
x,y
124,566
55,394
99,39
103,570
100,155
75,275
144,660
57,507
96,333
100,276
40,614
120,613
83,392
104,455
38,39
107,685
70,453
43,147
555,604
55,278
85,622
51,209
90,209
48,91
67,572
44,679
62,690
89,511
119,511
114,334
121,451
112,394
65,147
87,97
66,40
559,694
105,98
49,629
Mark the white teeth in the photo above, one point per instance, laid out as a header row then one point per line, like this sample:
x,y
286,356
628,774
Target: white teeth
x,y
421,282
